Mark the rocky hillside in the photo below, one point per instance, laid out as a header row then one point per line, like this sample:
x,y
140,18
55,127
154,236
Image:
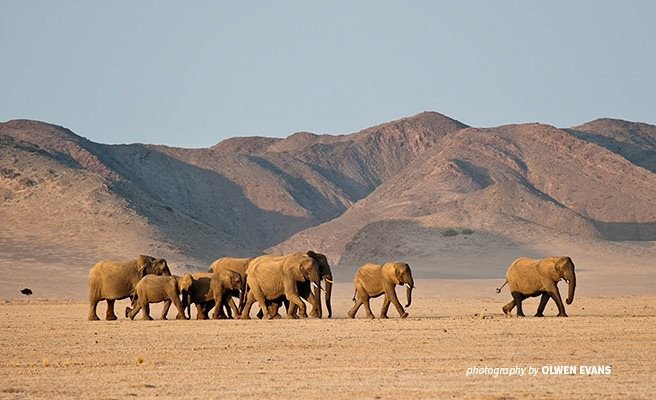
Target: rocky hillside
x,y
424,188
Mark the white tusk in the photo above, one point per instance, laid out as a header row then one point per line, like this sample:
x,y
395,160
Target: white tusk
x,y
408,285
328,280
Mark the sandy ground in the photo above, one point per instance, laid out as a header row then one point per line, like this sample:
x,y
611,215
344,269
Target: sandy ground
x,y
48,349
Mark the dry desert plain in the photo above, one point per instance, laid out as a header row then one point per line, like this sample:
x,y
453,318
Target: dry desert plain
x,y
49,350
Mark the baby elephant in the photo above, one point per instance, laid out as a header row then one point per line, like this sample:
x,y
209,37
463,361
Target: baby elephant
x,y
155,289
373,280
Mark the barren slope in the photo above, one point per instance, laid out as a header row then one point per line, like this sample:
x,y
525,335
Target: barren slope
x,y
522,189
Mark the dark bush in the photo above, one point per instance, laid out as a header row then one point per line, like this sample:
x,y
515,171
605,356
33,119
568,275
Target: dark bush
x,y
467,231
450,232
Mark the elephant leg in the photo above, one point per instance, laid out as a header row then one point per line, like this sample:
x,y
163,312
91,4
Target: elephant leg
x,y
508,308
218,307
290,308
146,312
200,312
134,311
274,310
518,301
543,303
93,304
315,312
367,308
383,310
359,301
555,295
390,294
233,307
176,302
110,311
295,299
261,300
165,310
245,312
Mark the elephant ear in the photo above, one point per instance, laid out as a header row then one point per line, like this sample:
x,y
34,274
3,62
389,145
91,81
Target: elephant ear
x,y
398,271
312,254
187,281
306,267
235,279
143,262
560,265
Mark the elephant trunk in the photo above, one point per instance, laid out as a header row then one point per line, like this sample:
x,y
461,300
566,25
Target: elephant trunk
x,y
572,287
410,285
329,290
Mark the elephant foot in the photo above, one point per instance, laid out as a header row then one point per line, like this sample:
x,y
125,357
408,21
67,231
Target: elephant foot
x,y
245,317
561,315
521,315
94,318
314,315
404,315
179,317
112,318
506,311
540,315
127,311
350,315
383,316
277,316
371,316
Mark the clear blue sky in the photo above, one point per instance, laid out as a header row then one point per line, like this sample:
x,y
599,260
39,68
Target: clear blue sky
x,y
192,73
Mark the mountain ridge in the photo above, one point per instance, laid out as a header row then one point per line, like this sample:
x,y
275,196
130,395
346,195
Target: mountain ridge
x,y
391,190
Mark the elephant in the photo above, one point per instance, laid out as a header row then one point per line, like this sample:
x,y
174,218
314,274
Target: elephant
x,y
373,280
211,289
530,277
305,292
238,265
270,277
155,289
113,280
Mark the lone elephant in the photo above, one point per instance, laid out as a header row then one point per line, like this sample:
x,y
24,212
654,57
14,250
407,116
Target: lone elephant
x,y
112,280
530,277
373,280
155,289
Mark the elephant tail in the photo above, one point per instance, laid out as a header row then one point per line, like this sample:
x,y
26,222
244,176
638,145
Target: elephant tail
x,y
499,288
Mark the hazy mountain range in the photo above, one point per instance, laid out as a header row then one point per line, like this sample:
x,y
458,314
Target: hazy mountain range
x,y
453,200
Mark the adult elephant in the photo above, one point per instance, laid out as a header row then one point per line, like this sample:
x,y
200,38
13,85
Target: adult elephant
x,y
305,291
238,265
112,280
373,280
530,277
211,290
271,277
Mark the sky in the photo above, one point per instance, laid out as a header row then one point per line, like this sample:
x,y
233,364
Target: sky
x,y
193,73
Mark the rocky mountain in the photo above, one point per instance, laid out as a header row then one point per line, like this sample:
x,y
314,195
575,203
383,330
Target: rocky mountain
x,y
426,188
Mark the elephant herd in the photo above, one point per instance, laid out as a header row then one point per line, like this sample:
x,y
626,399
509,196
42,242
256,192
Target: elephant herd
x,y
290,280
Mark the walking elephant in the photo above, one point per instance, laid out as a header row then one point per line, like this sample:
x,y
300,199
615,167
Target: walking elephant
x,y
211,289
238,265
530,277
373,280
155,289
271,277
305,292
112,280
